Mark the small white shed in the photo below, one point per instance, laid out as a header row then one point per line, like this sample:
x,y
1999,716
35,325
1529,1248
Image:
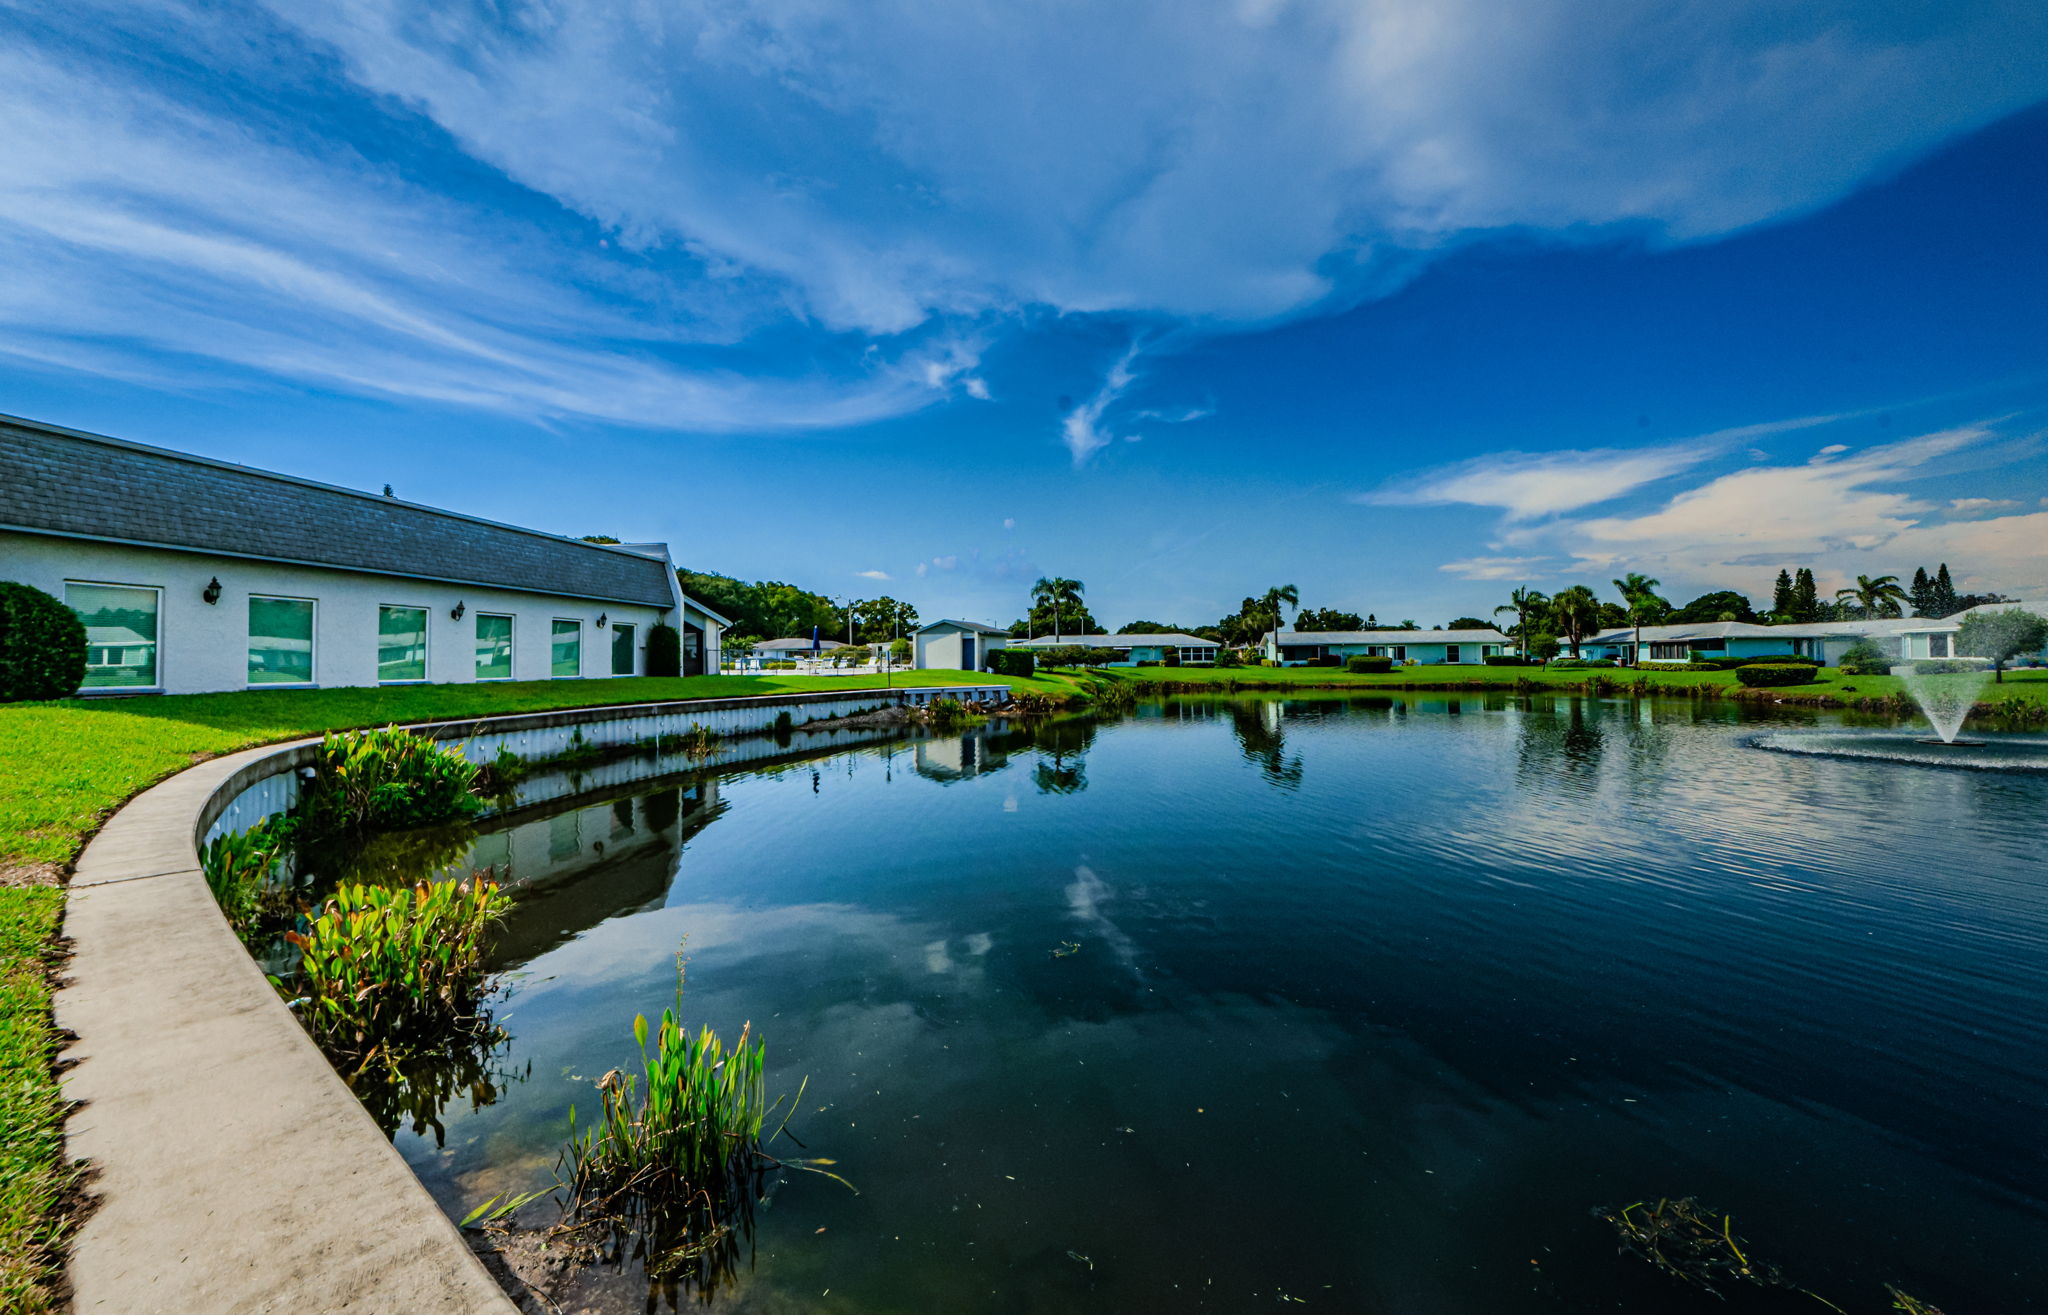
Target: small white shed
x,y
957,645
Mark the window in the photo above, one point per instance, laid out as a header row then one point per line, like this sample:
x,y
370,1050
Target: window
x,y
280,641
493,646
1453,653
622,650
401,644
1938,646
1400,652
1671,652
566,656
120,633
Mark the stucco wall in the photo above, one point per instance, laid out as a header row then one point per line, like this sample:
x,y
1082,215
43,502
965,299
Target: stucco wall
x,y
204,647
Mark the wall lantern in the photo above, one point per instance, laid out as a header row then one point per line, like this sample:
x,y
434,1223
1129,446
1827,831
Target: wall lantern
x,y
211,593
459,609
601,619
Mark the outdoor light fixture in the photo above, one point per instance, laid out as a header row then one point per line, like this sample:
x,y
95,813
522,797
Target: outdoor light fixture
x,y
211,593
602,617
459,609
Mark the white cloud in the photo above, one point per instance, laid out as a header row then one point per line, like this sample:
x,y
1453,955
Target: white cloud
x,y
1082,430
977,388
923,569
1499,568
1842,512
872,575
899,160
947,563
1010,522
1967,505
1530,484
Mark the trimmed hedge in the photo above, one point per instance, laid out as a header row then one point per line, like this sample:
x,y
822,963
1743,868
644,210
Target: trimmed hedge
x,y
1012,662
1949,667
1074,655
42,645
664,651
1369,666
1579,664
1774,673
1511,660
1864,658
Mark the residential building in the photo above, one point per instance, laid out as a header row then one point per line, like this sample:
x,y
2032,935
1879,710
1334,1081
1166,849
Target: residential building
x,y
1905,638
196,575
1296,648
1188,650
949,645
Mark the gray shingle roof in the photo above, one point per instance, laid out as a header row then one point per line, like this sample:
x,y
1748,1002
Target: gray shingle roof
x,y
62,481
1299,637
975,626
1166,640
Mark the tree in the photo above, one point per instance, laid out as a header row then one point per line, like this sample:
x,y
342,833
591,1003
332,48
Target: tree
x,y
1274,599
876,620
1148,628
1874,596
1328,618
1056,594
2001,636
599,538
1721,605
1805,596
1639,597
1784,603
1922,592
1944,593
1577,613
1467,623
1524,602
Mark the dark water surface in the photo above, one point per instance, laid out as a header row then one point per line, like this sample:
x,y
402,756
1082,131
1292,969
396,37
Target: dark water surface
x,y
1375,1001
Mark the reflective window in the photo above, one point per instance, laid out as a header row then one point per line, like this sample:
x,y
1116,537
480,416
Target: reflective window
x,y
493,647
280,641
566,656
622,650
120,634
401,643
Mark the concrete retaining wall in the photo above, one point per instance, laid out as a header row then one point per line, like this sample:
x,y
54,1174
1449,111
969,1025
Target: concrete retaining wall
x,y
235,1171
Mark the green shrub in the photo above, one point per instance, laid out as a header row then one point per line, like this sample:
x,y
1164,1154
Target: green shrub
x,y
1864,658
779,664
1948,666
664,651
1172,658
42,645
1511,660
1226,658
1012,662
1772,674
386,780
1146,662
1581,664
392,970
1369,666
239,866
1328,660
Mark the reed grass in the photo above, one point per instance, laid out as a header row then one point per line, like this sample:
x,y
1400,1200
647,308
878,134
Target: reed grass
x,y
387,780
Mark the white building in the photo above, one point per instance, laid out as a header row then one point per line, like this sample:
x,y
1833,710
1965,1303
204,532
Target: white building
x,y
1188,650
195,575
956,645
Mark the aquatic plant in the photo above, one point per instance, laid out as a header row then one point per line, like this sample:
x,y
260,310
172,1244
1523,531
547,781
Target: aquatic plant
x,y
1111,696
387,972
385,780
1689,1242
239,867
948,714
697,742
676,1155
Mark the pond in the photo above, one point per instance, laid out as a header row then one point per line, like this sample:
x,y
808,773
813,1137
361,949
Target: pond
x,y
1366,1003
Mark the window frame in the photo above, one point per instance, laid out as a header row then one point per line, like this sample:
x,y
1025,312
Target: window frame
x,y
511,648
157,644
553,635
426,642
312,679
1454,653
631,631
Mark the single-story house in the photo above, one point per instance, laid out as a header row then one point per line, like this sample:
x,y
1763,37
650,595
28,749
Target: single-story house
x,y
956,645
195,575
1295,648
1132,649
1905,638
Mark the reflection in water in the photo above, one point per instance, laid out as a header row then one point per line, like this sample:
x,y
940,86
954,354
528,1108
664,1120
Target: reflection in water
x,y
1259,738
1510,963
416,1091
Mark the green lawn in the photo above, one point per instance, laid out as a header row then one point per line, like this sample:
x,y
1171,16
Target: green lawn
x,y
65,766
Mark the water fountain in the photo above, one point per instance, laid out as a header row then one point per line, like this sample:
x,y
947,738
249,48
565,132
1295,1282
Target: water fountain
x,y
1945,692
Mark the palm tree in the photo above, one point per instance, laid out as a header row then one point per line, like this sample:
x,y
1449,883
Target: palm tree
x,y
1272,601
1639,596
1577,611
1058,592
1882,596
1522,602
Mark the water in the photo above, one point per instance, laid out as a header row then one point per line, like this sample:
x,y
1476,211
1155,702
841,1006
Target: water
x,y
1376,999
1997,753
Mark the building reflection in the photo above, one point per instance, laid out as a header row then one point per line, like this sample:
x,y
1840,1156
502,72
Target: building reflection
x,y
1263,744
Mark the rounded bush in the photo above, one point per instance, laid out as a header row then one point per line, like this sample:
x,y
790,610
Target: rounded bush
x,y
42,645
664,651
1779,673
1362,666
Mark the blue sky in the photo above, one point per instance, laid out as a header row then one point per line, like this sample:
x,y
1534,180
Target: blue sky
x,y
1405,302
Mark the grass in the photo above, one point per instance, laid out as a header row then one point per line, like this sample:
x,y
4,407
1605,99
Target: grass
x,y
65,766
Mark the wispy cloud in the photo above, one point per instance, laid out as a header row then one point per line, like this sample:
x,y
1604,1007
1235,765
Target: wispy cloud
x,y
1082,429
1498,568
873,575
1968,505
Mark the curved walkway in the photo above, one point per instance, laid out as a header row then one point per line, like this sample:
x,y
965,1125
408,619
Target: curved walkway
x,y
234,1170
